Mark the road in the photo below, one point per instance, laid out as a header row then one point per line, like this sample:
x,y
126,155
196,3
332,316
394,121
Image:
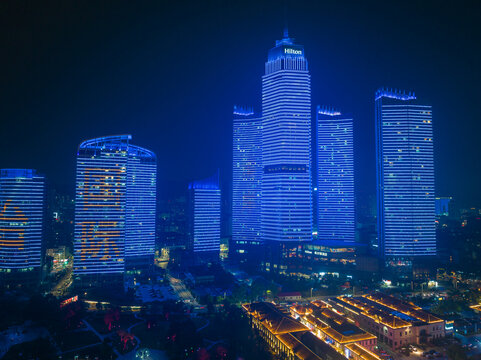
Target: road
x,y
181,291
61,288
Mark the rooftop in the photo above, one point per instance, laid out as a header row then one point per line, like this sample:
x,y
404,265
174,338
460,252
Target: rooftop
x,y
359,305
362,352
410,311
276,320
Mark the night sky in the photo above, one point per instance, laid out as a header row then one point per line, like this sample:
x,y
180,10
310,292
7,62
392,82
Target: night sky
x,y
169,74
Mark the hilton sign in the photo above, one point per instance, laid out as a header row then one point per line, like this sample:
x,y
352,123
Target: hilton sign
x,y
292,51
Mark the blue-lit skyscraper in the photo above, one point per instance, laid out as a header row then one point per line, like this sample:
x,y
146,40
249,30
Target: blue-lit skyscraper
x,y
204,219
335,176
140,208
22,199
246,183
405,175
286,206
115,206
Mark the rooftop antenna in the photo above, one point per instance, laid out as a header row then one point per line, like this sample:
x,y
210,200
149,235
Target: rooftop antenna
x,y
286,31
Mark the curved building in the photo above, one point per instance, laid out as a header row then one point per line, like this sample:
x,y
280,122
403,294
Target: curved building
x,y
22,199
115,206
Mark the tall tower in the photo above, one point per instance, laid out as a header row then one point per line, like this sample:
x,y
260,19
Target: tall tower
x,y
246,184
205,213
22,201
335,176
115,206
286,206
405,176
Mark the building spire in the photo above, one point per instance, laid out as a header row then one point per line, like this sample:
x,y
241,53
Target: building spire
x,y
286,27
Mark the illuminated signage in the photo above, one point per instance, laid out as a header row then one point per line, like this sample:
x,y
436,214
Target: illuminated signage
x,y
69,301
292,51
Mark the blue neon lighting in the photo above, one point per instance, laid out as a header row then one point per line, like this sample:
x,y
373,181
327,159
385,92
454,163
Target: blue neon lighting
x,y
325,110
335,176
22,201
115,205
246,177
286,205
395,94
405,176
205,212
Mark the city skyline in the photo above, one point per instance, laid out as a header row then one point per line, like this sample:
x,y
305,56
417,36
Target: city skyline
x,y
257,180
119,107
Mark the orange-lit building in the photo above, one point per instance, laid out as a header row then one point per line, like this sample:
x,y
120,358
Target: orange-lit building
x,y
333,327
394,322
287,337
22,200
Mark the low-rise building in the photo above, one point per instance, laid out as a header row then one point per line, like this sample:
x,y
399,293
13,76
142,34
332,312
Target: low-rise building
x,y
333,327
301,335
394,322
289,296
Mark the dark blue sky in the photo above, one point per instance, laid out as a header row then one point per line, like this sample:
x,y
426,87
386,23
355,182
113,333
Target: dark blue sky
x,y
169,74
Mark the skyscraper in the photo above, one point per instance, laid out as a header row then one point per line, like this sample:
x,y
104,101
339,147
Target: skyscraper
x,y
22,199
405,176
140,208
335,176
205,212
286,206
115,206
246,184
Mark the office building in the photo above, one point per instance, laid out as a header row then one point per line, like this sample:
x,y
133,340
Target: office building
x,y
246,184
405,177
114,207
22,201
204,219
335,176
286,205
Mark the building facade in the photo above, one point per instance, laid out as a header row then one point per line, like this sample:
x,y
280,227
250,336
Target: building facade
x,y
405,177
246,184
115,206
22,207
286,206
204,219
394,322
140,208
335,176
